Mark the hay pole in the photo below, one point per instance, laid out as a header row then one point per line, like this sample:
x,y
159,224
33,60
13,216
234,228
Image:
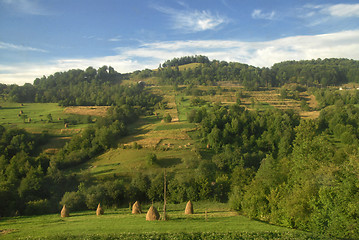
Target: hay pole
x,y
164,196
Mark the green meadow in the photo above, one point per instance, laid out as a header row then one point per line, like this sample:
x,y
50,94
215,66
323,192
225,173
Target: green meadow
x,y
120,223
34,118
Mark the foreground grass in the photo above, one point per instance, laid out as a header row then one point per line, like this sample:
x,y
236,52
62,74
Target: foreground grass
x,y
121,224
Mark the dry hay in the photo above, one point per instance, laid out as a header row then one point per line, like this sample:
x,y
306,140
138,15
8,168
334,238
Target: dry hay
x,y
6,231
51,151
86,110
313,103
136,208
310,115
189,208
99,210
65,212
152,214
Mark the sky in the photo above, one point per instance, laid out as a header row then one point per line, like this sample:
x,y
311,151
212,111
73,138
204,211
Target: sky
x,y
41,37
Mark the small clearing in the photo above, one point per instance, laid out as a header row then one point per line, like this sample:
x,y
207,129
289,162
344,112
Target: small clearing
x,y
98,111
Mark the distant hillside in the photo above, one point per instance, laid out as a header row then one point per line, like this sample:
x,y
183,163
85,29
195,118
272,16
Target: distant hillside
x,y
100,87
322,73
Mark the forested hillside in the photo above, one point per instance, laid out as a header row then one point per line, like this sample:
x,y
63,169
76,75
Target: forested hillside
x,y
320,73
69,88
268,163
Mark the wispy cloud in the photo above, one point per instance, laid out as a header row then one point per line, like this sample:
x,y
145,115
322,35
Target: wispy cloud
x,y
319,14
26,6
259,14
115,39
14,47
190,20
262,54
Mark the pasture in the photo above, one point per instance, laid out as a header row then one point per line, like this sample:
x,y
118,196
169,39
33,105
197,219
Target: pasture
x,y
39,117
120,223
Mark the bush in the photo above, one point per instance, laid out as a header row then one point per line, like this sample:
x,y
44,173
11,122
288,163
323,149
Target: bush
x,y
94,195
38,207
151,159
75,201
167,118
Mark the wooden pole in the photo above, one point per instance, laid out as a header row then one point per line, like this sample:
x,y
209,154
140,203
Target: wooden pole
x,y
164,196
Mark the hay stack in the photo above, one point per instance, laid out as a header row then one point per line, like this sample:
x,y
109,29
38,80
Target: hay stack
x,y
99,210
65,212
152,214
189,208
136,208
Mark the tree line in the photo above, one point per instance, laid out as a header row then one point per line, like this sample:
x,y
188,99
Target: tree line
x,y
71,88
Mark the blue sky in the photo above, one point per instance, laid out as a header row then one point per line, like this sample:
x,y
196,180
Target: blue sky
x,y
41,37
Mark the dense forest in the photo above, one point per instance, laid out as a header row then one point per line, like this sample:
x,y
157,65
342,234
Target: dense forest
x,y
269,165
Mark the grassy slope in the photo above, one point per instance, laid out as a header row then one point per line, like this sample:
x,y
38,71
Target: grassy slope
x,y
116,221
38,113
171,142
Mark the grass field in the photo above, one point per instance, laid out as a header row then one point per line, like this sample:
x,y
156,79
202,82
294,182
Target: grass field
x,y
34,118
119,221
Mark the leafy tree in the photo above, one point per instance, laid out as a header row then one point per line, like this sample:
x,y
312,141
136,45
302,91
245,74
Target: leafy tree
x,y
151,159
167,118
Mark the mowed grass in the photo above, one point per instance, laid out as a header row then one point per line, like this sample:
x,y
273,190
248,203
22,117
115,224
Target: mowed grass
x,y
37,112
117,221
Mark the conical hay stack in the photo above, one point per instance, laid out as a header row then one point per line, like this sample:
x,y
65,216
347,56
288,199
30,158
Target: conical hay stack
x,y
99,210
152,214
65,212
136,208
189,208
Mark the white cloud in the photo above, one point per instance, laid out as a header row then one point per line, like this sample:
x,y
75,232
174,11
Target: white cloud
x,y
338,45
258,14
14,47
192,20
344,10
327,11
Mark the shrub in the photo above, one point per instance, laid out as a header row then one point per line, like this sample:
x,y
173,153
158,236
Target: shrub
x,y
37,207
74,201
167,118
151,159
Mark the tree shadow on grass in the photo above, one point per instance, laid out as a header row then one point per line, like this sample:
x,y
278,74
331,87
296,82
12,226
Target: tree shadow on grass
x,y
103,171
12,107
168,162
